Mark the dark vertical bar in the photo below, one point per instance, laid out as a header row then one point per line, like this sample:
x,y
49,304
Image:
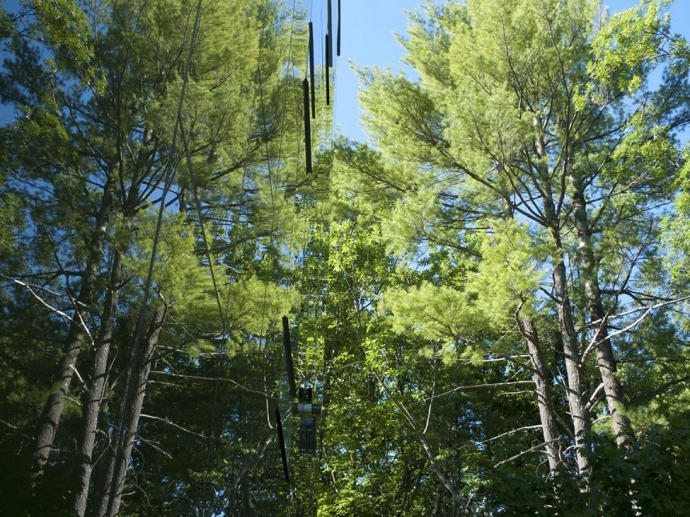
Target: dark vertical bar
x,y
288,354
311,70
328,73
283,451
338,42
329,51
307,125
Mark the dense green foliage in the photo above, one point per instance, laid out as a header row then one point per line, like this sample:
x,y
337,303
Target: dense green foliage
x,y
523,184
136,159
489,297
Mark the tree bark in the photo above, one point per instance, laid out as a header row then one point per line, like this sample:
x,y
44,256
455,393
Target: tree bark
x,y
606,363
542,384
96,390
579,412
107,503
76,336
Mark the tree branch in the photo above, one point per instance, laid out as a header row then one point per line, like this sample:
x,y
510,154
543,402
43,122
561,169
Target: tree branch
x,y
422,439
525,452
166,421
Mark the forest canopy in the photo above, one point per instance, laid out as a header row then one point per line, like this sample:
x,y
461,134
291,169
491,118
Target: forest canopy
x,y
488,297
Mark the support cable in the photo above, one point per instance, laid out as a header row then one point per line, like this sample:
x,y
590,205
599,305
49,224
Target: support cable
x,y
207,249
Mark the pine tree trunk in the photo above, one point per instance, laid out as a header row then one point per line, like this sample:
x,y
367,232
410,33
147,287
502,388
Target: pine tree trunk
x,y
544,396
606,363
579,412
112,483
52,411
96,389
76,336
576,386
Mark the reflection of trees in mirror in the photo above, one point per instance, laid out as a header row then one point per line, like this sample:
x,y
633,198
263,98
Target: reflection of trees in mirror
x,y
487,300
119,114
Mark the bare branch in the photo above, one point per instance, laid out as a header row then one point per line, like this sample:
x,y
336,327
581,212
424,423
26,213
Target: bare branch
x,y
80,323
153,445
638,309
166,421
513,431
538,446
645,312
8,425
475,386
76,372
431,400
430,454
594,396
213,379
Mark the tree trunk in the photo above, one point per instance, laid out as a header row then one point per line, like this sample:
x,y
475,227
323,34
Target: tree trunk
x,y
96,389
606,363
543,389
109,497
579,412
576,386
76,335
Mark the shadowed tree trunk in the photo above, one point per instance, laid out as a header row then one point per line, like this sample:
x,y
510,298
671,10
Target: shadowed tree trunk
x,y
107,503
579,413
76,336
542,384
97,385
606,363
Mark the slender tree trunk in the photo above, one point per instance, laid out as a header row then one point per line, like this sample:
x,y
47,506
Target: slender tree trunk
x,y
76,336
606,363
576,386
112,483
579,412
97,385
543,389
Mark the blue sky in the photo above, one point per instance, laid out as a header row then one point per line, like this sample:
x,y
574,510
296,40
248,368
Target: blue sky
x,y
367,40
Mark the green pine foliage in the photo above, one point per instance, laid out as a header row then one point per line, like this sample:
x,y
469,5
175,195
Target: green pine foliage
x,y
488,297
